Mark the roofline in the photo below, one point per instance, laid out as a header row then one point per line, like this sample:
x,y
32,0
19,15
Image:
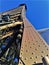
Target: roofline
x,y
15,8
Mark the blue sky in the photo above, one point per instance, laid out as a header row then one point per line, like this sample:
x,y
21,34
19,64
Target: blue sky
x,y
37,10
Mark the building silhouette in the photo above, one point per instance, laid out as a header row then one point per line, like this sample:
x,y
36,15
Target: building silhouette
x,y
33,46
